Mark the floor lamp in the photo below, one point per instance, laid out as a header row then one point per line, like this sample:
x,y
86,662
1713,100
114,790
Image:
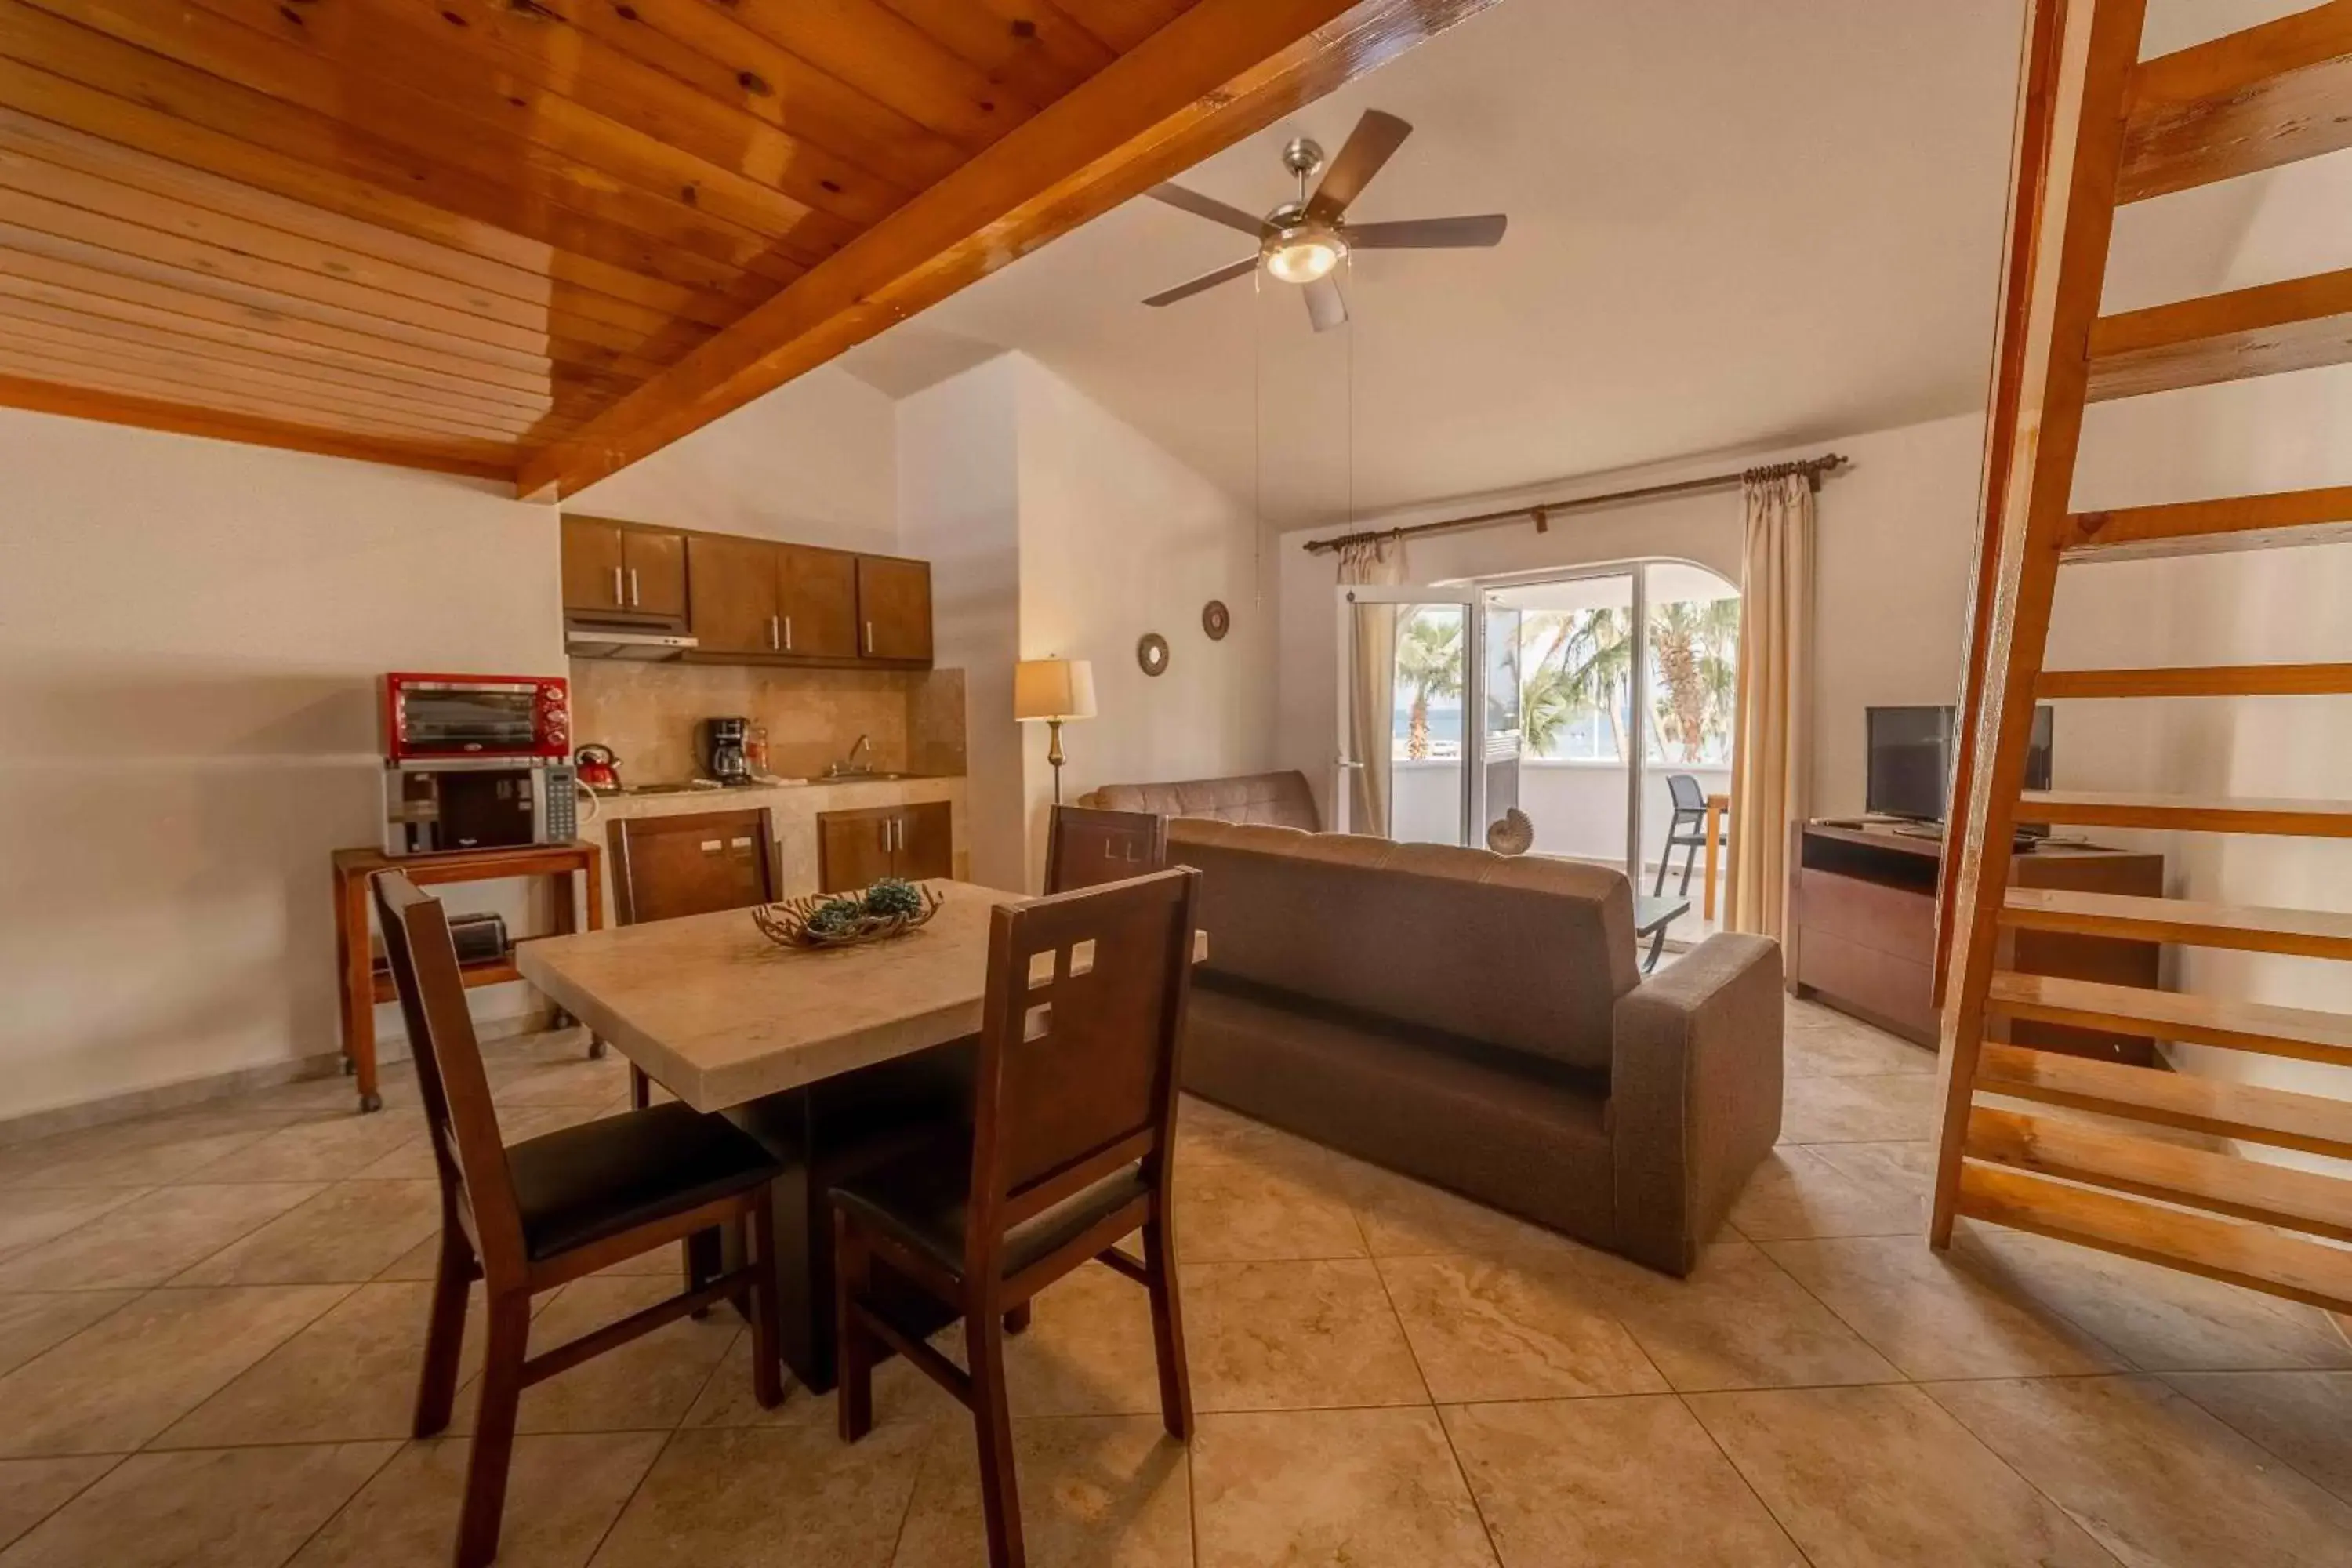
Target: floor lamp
x,y
1056,690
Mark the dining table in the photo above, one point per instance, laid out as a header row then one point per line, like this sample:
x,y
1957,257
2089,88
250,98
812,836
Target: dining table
x,y
837,1058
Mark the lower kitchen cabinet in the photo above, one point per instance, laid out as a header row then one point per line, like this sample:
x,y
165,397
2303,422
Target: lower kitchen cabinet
x,y
858,848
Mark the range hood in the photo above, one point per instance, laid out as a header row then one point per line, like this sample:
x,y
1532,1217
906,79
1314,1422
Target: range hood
x,y
614,642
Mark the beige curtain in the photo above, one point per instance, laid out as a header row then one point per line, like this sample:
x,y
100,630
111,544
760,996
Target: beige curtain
x,y
1371,706
1769,757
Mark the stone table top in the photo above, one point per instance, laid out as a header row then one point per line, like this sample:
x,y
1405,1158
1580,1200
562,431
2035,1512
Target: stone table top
x,y
718,1014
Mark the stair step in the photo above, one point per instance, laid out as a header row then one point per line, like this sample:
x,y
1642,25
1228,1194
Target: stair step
x,y
2225,1184
2254,100
2268,329
2311,1122
2199,681
2247,928
2250,1254
2259,1026
2187,813
2210,527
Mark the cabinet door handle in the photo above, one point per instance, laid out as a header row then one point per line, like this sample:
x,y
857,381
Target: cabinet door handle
x,y
772,631
869,637
633,587
616,586
788,634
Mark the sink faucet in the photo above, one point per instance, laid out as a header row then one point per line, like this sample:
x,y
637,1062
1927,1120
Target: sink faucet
x,y
849,764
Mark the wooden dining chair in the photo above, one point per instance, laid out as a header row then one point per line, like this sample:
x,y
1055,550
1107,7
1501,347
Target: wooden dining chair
x,y
550,1209
694,863
1086,847
1068,1148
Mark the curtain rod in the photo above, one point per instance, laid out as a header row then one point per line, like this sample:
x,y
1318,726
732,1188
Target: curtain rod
x,y
1541,513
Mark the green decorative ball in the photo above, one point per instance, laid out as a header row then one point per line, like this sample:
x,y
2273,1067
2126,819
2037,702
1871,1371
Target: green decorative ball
x,y
837,917
894,896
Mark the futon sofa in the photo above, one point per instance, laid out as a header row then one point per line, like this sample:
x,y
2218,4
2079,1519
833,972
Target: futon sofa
x,y
1478,1021
1281,799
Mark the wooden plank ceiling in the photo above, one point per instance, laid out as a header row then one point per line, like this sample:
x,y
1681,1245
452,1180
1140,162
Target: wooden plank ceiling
x,y
536,239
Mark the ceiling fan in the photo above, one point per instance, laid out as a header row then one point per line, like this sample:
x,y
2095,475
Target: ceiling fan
x,y
1302,241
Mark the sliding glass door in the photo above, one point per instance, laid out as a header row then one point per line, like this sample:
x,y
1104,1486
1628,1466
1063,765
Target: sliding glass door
x,y
1574,700
1578,762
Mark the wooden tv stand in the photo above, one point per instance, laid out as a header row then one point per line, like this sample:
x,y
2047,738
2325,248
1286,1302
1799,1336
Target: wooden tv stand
x,y
1862,930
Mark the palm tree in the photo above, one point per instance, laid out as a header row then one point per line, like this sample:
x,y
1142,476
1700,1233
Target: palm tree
x,y
1583,666
1693,641
1429,657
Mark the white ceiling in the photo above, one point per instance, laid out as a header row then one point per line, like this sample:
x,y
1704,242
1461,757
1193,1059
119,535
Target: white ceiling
x,y
1733,223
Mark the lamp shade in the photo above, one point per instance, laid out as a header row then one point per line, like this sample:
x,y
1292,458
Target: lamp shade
x,y
1053,688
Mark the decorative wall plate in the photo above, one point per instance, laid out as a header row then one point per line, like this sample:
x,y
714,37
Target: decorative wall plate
x,y
1152,653
1216,620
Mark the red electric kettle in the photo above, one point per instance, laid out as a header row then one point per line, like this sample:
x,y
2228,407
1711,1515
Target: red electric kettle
x,y
598,767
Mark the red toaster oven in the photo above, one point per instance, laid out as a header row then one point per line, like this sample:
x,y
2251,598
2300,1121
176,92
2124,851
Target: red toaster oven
x,y
462,717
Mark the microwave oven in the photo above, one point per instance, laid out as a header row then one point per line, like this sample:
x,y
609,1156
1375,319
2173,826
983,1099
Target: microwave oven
x,y
430,808
462,717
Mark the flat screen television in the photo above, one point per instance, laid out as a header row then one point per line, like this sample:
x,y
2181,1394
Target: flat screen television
x,y
1910,761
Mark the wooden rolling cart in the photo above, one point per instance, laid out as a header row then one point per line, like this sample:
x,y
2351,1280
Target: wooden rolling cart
x,y
363,984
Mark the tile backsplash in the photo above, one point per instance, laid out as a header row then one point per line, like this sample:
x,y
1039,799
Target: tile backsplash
x,y
648,714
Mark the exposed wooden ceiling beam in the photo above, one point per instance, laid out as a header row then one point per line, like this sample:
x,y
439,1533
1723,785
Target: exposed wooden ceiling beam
x,y
1211,76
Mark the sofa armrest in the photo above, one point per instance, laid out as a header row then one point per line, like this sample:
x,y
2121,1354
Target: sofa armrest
x,y
1694,1094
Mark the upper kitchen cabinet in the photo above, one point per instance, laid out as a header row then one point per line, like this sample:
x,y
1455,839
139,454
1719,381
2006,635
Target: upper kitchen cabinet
x,y
735,611
616,569
894,608
751,601
818,589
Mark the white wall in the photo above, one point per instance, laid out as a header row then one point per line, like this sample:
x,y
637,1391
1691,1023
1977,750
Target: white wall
x,y
1056,529
812,462
2268,606
1117,539
1895,538
190,636
959,507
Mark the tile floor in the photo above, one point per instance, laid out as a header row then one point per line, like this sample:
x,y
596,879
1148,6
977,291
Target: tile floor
x,y
209,1324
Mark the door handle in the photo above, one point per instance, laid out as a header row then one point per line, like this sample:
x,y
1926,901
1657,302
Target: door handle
x,y
788,634
633,587
616,587
869,637
772,643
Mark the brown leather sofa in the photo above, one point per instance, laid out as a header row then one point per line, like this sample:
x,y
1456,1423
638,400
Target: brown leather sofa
x,y
1280,799
1478,1021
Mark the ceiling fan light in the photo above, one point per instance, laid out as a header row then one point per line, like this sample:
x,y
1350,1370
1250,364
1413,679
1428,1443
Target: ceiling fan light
x,y
1304,253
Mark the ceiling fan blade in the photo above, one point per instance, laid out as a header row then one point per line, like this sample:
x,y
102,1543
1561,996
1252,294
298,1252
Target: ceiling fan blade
x,y
1324,308
1372,143
1209,208
1429,233
1205,281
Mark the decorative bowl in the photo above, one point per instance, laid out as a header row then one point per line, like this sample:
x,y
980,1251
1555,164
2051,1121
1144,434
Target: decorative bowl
x,y
890,908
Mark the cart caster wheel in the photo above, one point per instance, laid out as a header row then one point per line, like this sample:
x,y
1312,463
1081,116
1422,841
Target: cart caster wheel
x,y
371,1102
349,1066
595,1051
559,1019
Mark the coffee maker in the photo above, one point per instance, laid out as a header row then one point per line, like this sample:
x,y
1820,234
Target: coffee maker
x,y
722,750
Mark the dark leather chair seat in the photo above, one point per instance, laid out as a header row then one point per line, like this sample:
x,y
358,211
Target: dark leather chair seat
x,y
923,1198
579,1184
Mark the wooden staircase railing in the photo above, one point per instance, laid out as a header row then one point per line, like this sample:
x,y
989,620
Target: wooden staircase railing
x,y
2097,128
